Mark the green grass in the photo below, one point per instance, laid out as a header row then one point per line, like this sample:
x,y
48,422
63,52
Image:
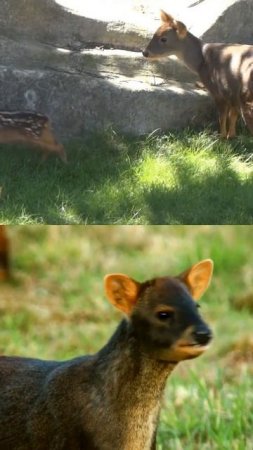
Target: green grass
x,y
180,178
56,308
221,418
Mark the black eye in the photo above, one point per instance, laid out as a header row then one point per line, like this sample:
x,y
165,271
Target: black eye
x,y
165,315
163,39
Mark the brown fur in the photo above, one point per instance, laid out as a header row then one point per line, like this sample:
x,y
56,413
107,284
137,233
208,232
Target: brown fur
x,y
111,399
226,70
32,129
4,254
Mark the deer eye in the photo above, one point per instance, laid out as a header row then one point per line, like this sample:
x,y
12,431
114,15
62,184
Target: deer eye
x,y
165,315
163,39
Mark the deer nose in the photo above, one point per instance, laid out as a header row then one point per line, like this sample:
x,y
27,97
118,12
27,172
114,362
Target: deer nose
x,y
202,335
145,53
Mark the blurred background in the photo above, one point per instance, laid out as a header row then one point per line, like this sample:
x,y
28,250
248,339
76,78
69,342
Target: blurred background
x,y
54,307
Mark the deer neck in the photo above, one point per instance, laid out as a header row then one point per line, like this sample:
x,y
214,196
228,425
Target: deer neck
x,y
130,387
191,53
133,375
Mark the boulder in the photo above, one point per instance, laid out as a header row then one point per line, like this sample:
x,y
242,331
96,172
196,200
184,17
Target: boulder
x,y
82,65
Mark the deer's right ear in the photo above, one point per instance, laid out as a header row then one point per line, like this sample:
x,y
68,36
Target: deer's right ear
x,y
121,291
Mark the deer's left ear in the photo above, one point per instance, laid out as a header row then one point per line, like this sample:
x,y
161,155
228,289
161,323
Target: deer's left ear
x,y
198,277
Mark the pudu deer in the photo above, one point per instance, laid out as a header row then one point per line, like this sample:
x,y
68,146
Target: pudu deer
x,y
4,254
226,70
30,128
111,399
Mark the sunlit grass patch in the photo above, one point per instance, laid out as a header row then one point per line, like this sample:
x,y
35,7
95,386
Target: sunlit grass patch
x,y
185,177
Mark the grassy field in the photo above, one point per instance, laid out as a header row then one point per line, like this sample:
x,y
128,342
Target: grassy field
x,y
55,308
180,178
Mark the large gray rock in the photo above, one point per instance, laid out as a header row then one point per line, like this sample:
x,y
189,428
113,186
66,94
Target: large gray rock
x,y
77,103
127,24
48,22
81,64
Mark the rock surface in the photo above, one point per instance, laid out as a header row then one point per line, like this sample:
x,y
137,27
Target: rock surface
x,y
81,64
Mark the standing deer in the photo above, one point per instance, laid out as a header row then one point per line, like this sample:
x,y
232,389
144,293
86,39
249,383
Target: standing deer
x,y
32,129
111,399
226,70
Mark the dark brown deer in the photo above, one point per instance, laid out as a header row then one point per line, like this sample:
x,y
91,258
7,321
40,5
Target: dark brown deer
x,y
226,70
111,399
4,254
32,129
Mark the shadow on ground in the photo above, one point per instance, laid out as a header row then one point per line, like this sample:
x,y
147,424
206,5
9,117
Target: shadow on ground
x,y
100,185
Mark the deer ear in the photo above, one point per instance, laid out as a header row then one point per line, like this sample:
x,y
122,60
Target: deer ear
x,y
166,18
121,291
180,28
198,277
176,24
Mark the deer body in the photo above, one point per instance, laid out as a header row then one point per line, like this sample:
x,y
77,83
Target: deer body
x,y
32,129
111,399
90,419
226,70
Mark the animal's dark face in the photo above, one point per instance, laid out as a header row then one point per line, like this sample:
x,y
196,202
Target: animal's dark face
x,y
163,312
167,39
165,42
167,322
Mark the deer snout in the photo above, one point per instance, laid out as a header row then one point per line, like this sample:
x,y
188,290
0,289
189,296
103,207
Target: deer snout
x,y
202,335
145,53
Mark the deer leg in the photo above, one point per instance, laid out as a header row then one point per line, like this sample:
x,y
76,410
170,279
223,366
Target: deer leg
x,y
45,155
247,113
49,143
223,115
232,119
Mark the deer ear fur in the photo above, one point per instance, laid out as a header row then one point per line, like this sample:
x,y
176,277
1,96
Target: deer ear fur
x,y
180,28
198,277
176,24
122,291
166,18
